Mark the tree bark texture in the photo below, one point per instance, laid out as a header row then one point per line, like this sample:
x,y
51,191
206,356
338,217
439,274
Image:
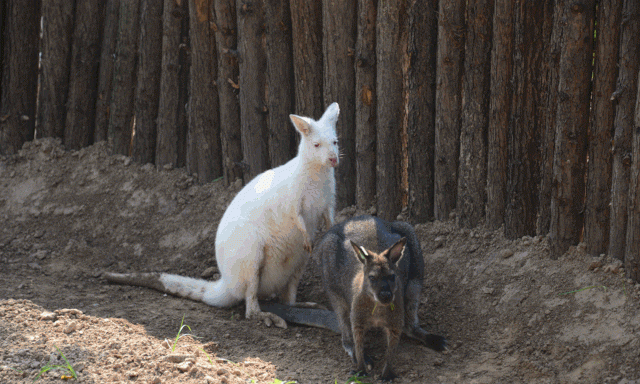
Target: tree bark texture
x,y
252,83
83,78
450,58
105,71
203,135
389,113
472,170
624,97
226,40
306,26
55,47
171,128
499,112
600,135
124,78
632,248
147,95
280,88
339,41
548,115
365,122
420,94
525,122
19,85
572,119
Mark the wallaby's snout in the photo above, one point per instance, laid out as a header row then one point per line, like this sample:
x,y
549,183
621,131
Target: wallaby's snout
x,y
333,161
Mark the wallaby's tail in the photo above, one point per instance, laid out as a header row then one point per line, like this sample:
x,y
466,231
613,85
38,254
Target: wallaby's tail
x,y
211,293
320,318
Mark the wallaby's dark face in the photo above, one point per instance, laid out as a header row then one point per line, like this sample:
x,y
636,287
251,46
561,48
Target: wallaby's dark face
x,y
380,270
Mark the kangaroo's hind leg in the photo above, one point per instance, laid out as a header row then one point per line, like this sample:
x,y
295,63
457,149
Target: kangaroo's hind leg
x,y
252,275
412,325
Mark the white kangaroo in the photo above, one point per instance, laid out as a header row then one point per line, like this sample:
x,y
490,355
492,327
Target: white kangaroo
x,y
265,235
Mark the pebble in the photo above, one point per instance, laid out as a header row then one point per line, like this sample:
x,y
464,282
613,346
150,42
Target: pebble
x,y
505,253
175,358
70,327
47,316
184,366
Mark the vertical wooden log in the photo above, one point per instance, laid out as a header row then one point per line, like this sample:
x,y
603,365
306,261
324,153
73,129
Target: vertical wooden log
x,y
597,211
632,248
226,40
204,156
105,74
448,105
83,79
499,111
252,82
339,41
572,119
420,94
624,96
366,105
472,170
19,83
148,89
548,113
280,96
57,30
389,112
525,122
306,30
124,74
174,14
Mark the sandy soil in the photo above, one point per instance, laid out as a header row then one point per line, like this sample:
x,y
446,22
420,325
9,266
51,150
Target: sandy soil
x,y
511,314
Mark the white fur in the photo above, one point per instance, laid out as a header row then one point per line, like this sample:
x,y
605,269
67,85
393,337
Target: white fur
x,y
265,235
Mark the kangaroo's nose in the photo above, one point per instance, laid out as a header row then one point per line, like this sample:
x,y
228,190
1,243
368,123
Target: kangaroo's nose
x,y
385,296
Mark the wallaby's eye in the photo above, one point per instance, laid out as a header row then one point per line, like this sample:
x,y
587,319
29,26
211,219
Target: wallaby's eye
x,y
391,278
316,145
335,142
372,278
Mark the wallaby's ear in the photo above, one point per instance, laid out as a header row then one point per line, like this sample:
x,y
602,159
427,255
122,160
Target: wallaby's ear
x,y
397,250
302,124
361,253
330,116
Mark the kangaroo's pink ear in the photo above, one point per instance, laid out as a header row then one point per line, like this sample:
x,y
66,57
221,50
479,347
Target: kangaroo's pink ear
x,y
302,124
330,116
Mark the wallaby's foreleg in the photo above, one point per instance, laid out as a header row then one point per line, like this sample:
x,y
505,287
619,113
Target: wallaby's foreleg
x,y
412,324
327,215
303,228
393,337
358,344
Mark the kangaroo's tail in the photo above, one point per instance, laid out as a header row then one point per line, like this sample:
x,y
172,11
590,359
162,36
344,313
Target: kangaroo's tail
x,y
211,293
320,318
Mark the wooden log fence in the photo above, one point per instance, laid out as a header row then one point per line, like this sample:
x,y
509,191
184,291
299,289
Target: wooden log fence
x,y
515,114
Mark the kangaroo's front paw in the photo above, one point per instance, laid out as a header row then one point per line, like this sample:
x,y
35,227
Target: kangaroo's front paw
x,y
307,245
270,319
435,342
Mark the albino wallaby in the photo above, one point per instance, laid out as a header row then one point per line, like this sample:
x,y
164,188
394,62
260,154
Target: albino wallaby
x,y
265,235
372,271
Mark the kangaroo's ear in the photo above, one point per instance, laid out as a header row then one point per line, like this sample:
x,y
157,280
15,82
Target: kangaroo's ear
x,y
302,124
361,253
397,250
330,116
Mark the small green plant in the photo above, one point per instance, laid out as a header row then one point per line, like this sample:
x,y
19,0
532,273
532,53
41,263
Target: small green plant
x,y
68,368
583,289
180,334
355,379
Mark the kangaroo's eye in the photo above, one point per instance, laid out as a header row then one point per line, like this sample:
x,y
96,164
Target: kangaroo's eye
x,y
316,145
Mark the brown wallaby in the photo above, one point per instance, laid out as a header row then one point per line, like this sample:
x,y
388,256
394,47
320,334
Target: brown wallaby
x,y
372,271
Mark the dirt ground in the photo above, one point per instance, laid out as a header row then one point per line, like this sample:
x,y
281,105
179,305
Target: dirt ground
x,y
510,313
